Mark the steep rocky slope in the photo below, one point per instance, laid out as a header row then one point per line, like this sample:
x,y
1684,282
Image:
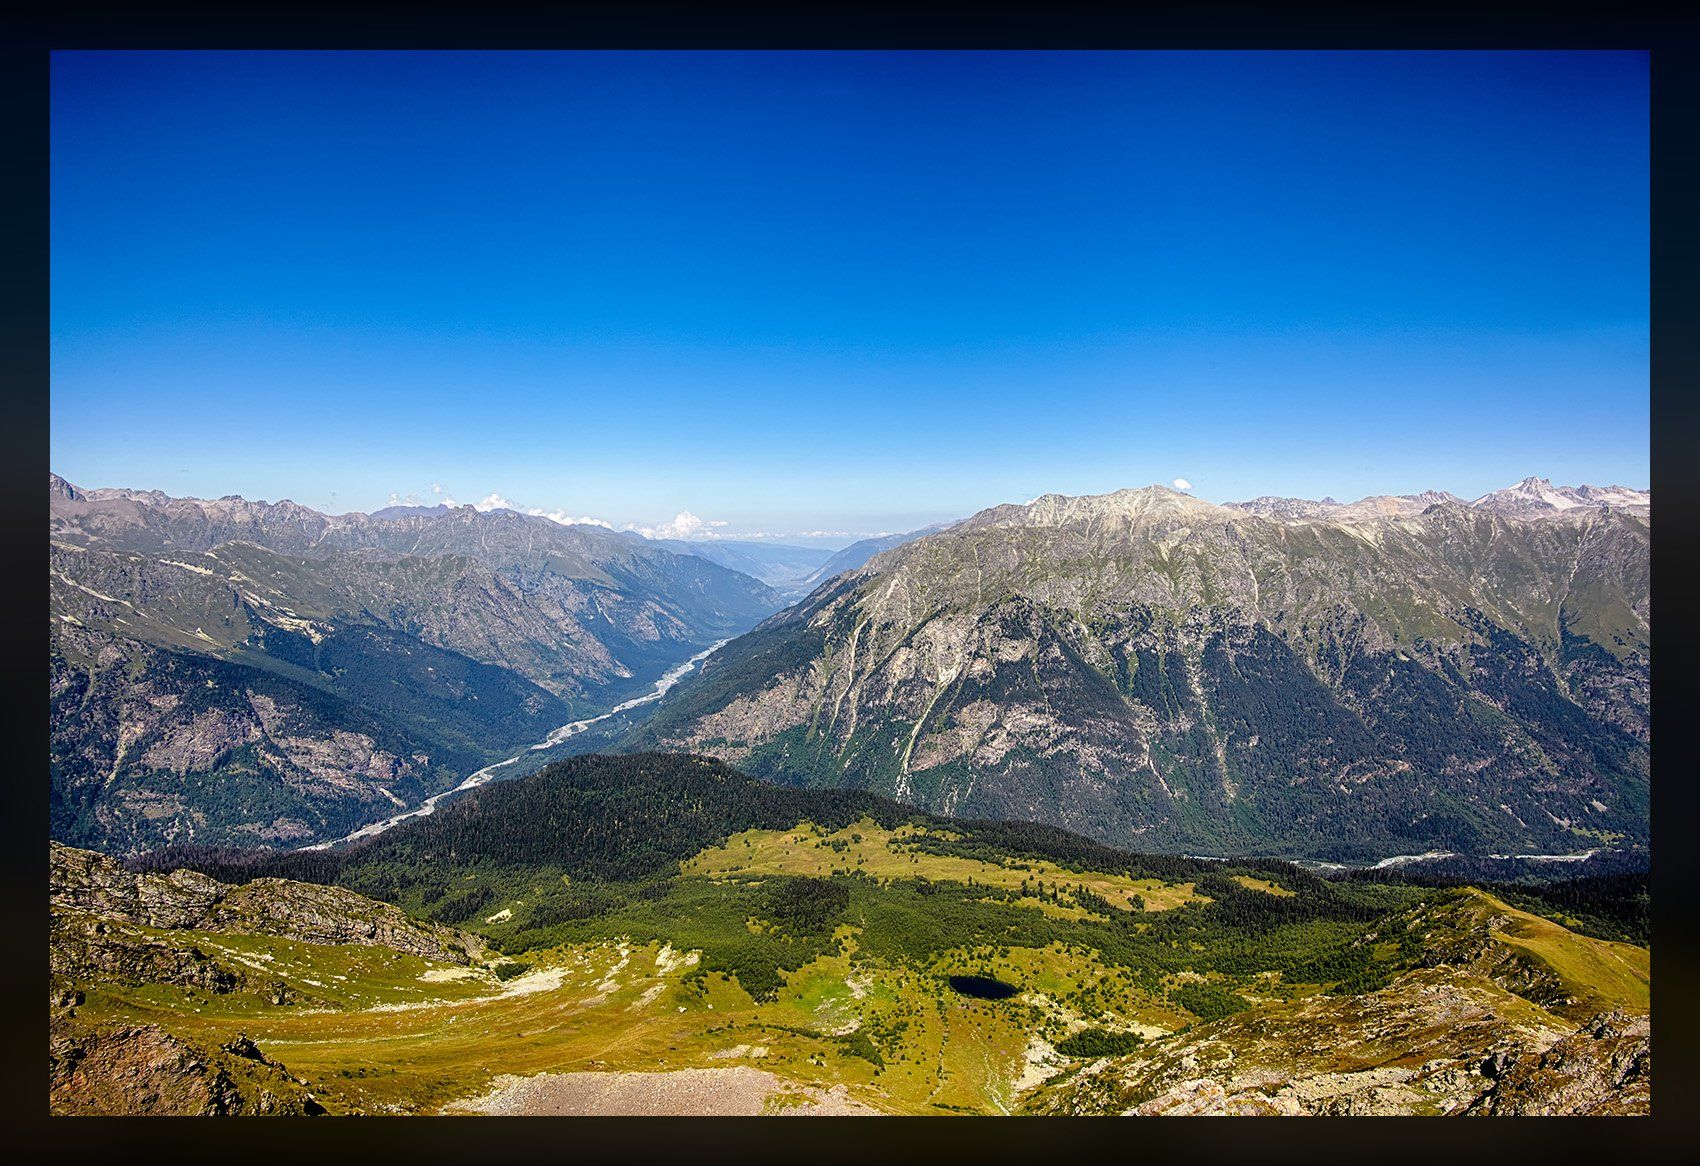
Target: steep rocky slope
x,y
233,671
85,884
1156,671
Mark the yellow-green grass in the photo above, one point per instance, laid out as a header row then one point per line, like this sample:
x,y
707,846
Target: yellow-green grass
x,y
447,1040
1263,885
1597,971
323,976
1068,986
808,849
1056,910
377,1032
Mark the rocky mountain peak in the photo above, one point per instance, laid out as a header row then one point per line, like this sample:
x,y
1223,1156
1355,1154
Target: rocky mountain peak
x,y
1113,663
1535,495
1329,509
1135,506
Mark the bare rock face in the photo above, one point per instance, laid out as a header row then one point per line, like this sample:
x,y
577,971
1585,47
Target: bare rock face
x,y
144,1070
84,948
1603,1069
82,880
86,884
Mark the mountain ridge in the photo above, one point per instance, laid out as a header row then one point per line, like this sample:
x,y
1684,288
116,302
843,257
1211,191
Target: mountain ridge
x,y
261,668
940,665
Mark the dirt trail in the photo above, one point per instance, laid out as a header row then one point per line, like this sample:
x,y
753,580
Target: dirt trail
x,y
734,1092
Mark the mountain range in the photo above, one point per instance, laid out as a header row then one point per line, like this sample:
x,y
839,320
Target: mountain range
x,y
227,670
1305,678
1314,680
1529,497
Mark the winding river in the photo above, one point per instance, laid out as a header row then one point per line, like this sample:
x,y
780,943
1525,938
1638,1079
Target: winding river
x,y
556,736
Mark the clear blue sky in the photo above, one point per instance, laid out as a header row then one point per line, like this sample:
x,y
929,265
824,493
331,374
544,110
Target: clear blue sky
x,y
846,291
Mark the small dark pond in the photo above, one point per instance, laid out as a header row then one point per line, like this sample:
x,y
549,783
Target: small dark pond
x,y
983,987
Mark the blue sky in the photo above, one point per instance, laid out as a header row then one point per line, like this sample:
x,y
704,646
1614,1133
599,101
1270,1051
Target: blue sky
x,y
846,292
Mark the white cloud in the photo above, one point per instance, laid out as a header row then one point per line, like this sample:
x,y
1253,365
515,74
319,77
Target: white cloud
x,y
684,525
565,519
496,501
1182,484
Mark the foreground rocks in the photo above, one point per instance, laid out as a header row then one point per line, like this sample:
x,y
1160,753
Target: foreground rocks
x,y
146,1070
110,926
1435,1042
89,884
1603,1070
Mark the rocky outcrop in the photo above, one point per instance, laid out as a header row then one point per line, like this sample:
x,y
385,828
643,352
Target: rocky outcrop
x,y
1603,1069
145,1071
87,884
1437,1041
85,948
